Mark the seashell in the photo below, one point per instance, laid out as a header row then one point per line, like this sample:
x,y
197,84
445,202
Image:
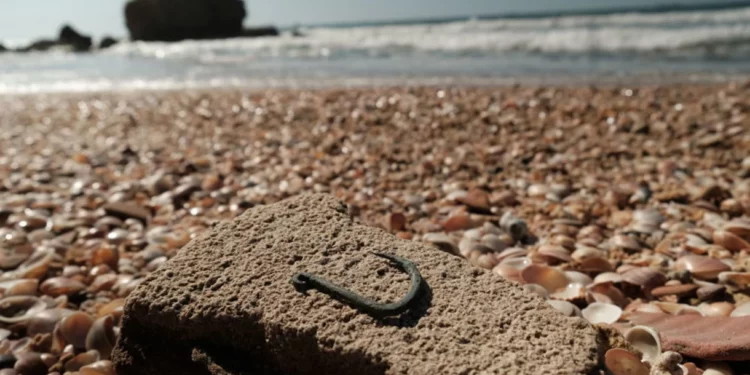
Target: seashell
x,y
20,287
598,312
741,310
103,282
30,363
550,278
481,259
595,265
113,308
571,292
11,258
737,279
679,290
83,359
553,254
46,320
644,277
701,267
649,216
74,329
690,368
626,243
474,234
622,362
458,222
710,291
475,199
578,278
738,228
58,286
608,277
646,340
649,308
19,309
677,308
716,309
564,241
102,337
465,246
442,241
104,367
512,252
508,272
613,294
494,243
730,241
518,262
34,267
565,307
537,289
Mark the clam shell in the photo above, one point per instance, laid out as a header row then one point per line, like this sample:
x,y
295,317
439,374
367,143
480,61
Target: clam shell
x,y
553,254
608,277
730,241
508,272
83,359
716,309
679,290
626,243
74,329
646,340
550,278
512,252
98,368
586,252
677,308
20,287
598,312
595,265
701,267
613,294
572,292
622,362
578,278
565,307
58,286
18,309
738,228
644,277
101,337
33,268
46,320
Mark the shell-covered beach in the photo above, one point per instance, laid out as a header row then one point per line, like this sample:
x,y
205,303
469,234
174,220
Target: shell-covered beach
x,y
622,206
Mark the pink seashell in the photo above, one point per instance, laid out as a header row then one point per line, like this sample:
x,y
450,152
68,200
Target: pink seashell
x,y
730,241
508,272
613,294
679,290
553,254
550,278
701,267
622,362
738,228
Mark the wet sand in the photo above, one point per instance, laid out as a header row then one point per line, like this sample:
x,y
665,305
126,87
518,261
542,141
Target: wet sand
x,y
638,197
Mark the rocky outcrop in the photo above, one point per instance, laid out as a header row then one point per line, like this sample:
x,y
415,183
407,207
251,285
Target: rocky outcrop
x,y
107,42
173,20
68,38
226,305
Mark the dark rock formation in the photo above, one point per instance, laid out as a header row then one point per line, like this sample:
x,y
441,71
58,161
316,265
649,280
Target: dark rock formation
x,y
173,20
107,42
2,48
260,31
77,41
68,38
225,305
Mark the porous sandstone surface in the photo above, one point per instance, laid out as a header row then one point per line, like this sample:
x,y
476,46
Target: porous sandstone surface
x,y
225,305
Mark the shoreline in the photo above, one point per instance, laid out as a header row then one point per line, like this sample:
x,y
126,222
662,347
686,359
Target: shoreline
x,y
361,83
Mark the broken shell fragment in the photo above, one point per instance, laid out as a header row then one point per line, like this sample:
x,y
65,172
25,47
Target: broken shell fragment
x,y
598,312
646,340
622,362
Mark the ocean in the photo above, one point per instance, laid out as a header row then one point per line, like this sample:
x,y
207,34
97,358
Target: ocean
x,y
665,44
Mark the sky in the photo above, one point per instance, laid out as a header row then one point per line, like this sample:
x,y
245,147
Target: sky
x,y
24,19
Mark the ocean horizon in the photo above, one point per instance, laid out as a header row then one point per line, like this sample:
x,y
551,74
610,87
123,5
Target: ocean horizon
x,y
705,43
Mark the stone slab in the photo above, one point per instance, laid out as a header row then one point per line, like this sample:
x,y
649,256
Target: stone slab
x,y
225,305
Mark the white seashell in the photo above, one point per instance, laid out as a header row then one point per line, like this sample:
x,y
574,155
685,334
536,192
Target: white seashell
x,y
598,312
565,307
550,278
716,368
608,277
646,340
518,263
571,292
578,278
741,310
